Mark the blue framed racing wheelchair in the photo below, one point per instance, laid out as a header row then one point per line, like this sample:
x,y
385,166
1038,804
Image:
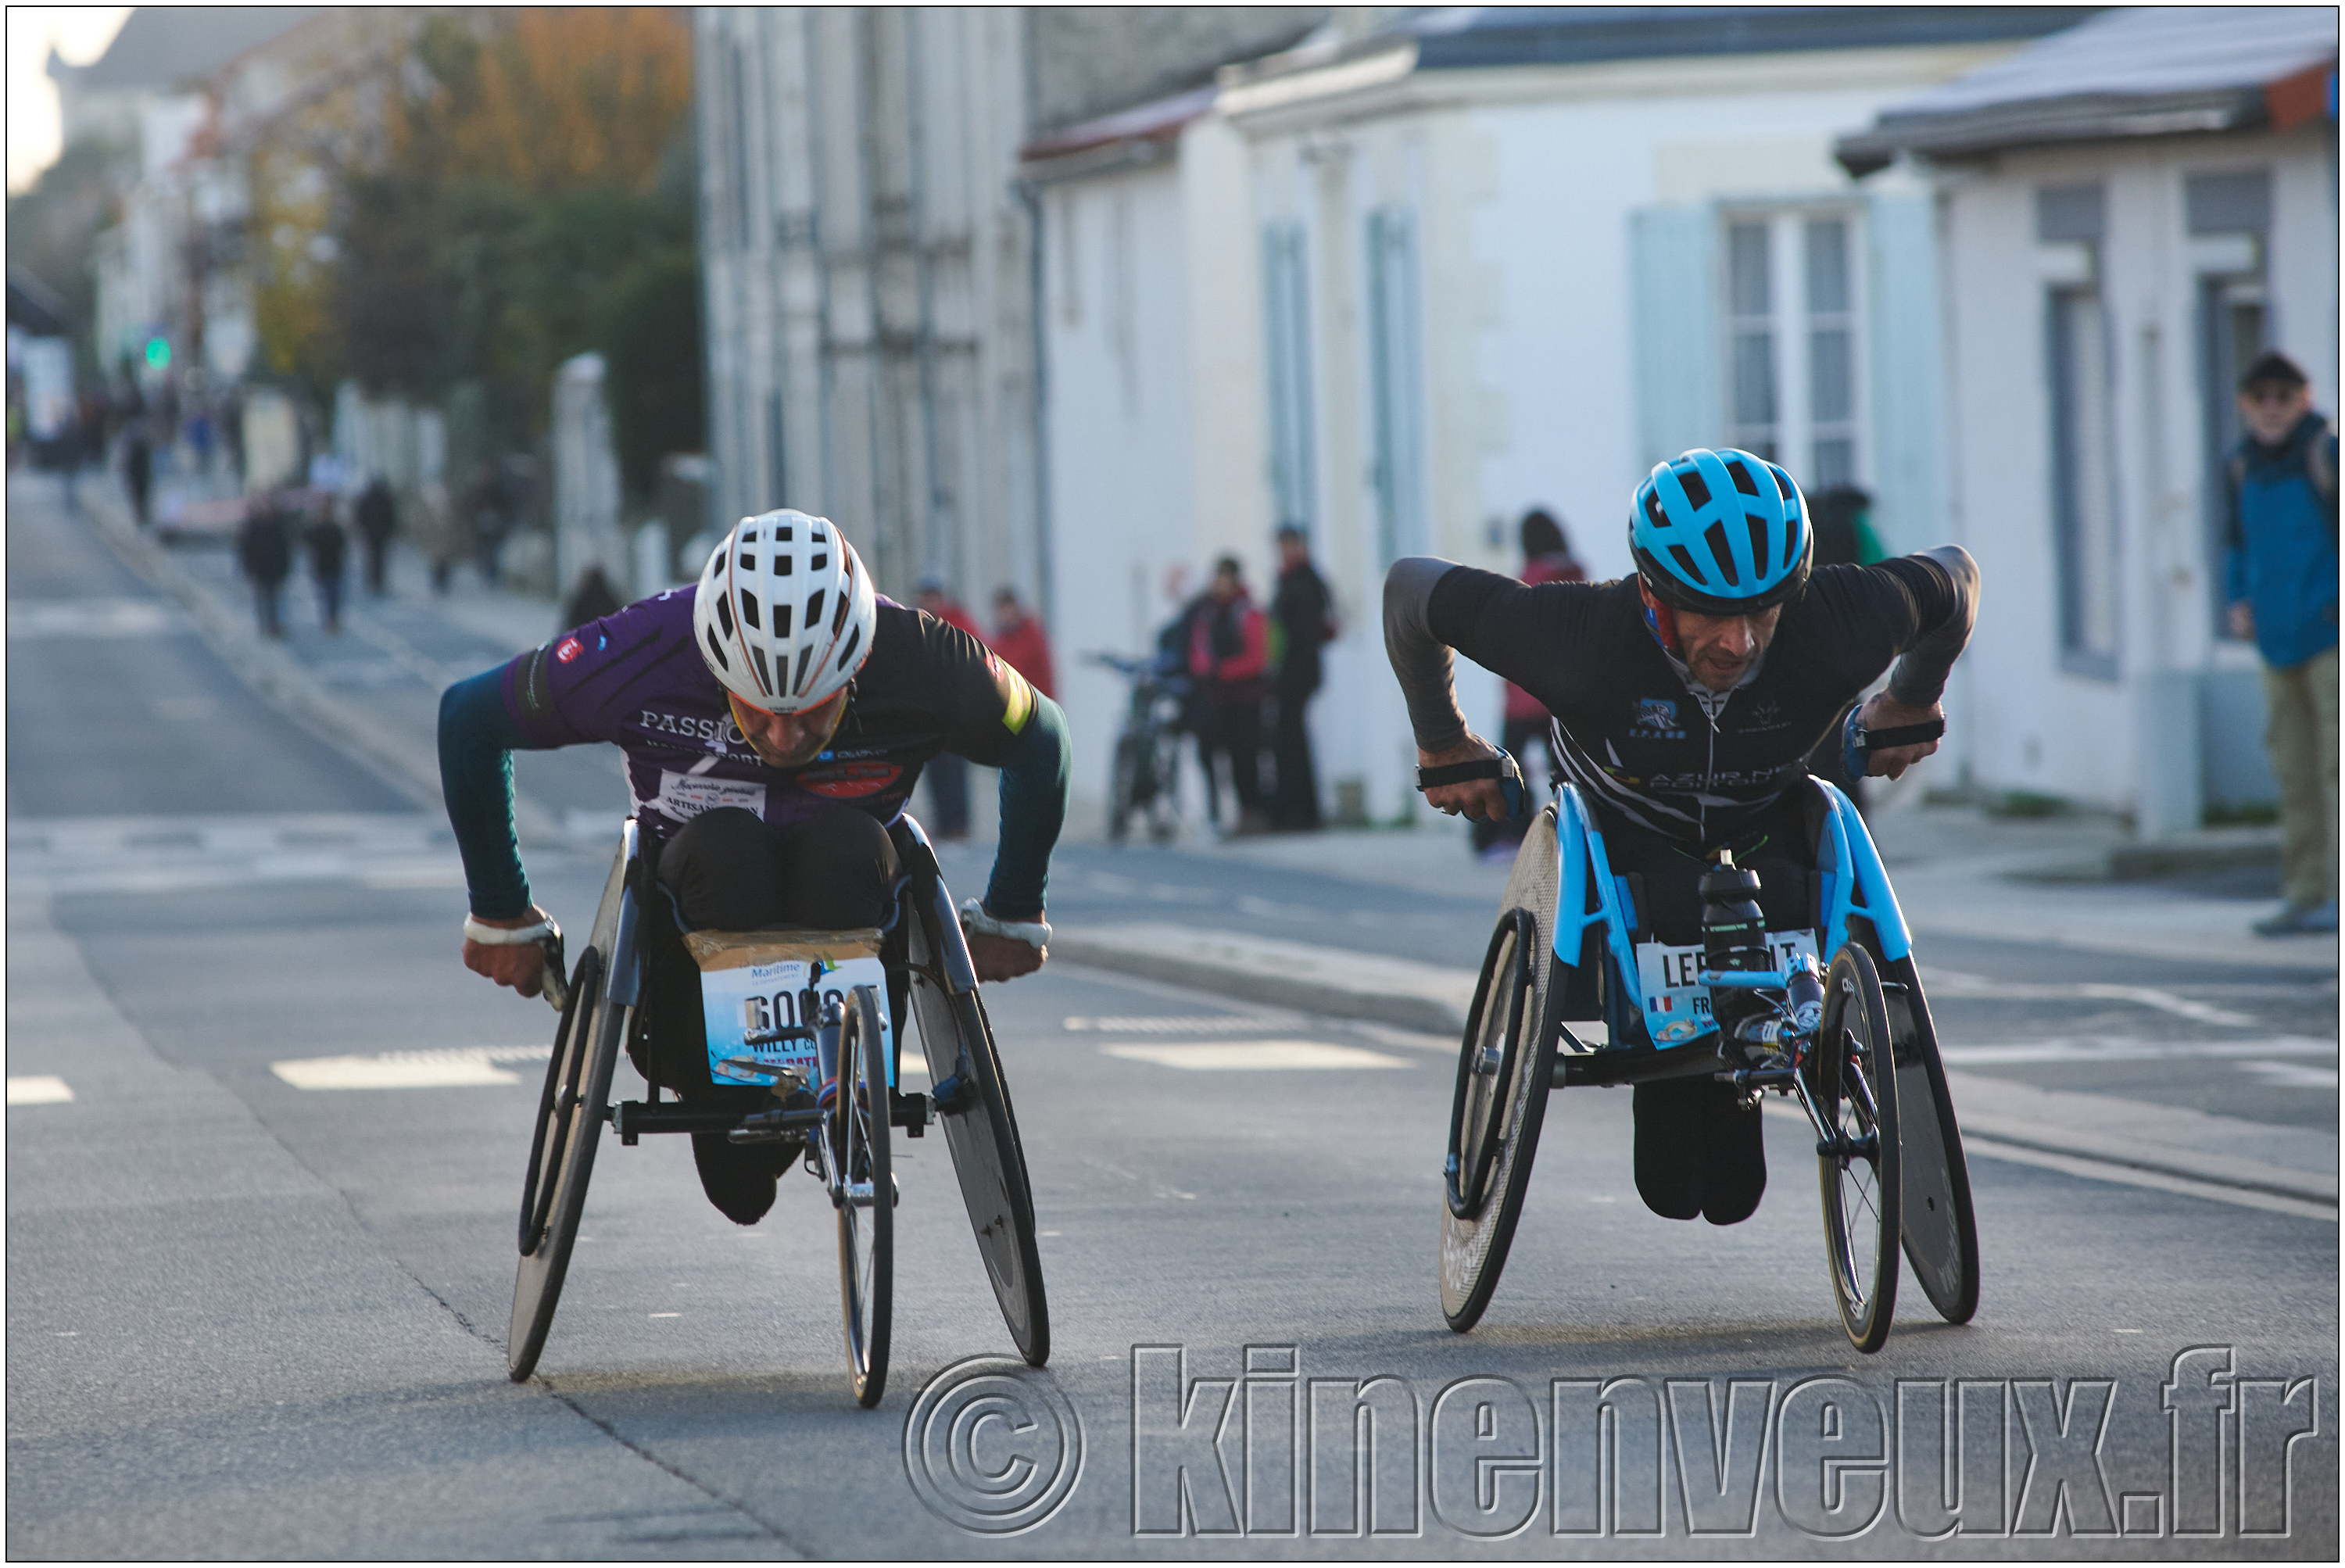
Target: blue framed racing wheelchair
x,y
1848,1038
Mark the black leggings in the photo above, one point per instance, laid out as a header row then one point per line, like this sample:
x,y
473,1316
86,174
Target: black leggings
x,y
1699,1151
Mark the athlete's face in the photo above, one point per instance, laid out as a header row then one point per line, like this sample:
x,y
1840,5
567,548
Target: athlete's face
x,y
1720,649
788,739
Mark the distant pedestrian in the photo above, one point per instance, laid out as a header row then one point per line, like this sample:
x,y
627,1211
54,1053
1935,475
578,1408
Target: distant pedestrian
x,y
1302,620
1547,558
264,549
1229,658
947,775
329,546
1020,642
591,600
2279,572
378,520
138,472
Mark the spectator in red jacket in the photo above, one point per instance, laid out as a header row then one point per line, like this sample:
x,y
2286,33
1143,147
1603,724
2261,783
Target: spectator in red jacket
x,y
1020,640
1229,659
1547,558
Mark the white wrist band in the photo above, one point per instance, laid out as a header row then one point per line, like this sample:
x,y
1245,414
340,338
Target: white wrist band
x,y
974,917
497,936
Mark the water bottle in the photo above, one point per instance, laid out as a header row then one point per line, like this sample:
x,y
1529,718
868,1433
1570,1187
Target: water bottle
x,y
1733,937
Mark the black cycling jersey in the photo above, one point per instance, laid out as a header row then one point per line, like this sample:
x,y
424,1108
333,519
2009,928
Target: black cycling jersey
x,y
1637,733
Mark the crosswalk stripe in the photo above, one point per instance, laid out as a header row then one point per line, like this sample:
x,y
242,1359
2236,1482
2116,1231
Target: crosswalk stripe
x,y
38,1089
457,1068
1254,1056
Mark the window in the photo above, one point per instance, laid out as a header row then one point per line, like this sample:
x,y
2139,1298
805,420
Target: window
x,y
1396,380
2084,482
1793,348
1286,304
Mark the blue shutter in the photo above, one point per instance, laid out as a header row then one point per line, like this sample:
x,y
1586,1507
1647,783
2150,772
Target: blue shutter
x,y
1396,381
1909,507
1287,315
1673,297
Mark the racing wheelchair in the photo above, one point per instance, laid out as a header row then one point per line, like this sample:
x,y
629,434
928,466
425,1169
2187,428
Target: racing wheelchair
x,y
846,1127
1850,1039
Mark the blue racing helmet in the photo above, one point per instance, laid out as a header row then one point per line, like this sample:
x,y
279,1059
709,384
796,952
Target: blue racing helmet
x,y
1721,533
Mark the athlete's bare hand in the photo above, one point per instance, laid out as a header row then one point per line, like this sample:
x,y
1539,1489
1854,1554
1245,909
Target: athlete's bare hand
x,y
522,967
1481,799
999,958
1884,713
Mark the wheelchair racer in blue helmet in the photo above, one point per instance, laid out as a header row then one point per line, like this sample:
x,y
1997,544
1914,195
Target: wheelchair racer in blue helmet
x,y
1687,698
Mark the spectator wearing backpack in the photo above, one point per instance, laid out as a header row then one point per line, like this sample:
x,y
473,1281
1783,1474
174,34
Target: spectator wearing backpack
x,y
2279,573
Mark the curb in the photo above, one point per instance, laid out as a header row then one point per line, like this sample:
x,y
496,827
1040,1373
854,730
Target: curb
x,y
285,686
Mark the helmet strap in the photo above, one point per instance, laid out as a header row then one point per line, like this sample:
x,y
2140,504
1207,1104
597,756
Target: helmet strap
x,y
1661,620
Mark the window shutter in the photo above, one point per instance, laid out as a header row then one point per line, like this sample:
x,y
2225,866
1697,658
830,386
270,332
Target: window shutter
x,y
1286,306
1396,374
1673,295
1909,508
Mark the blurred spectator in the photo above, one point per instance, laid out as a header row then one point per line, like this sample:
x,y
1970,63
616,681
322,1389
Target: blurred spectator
x,y
1547,558
264,549
1844,537
138,471
591,600
328,548
947,775
378,520
2279,573
1229,657
1020,640
1302,619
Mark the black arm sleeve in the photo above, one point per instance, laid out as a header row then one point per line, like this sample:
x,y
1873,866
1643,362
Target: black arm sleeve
x,y
1920,676
1421,660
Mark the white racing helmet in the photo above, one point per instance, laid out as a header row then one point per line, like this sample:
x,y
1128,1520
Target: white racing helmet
x,y
784,613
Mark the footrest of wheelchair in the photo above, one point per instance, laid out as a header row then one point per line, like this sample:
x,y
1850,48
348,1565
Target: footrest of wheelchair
x,y
631,1119
1617,1065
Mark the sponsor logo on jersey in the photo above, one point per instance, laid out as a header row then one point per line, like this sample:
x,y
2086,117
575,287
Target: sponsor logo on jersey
x,y
845,780
718,732
570,650
1766,715
1657,719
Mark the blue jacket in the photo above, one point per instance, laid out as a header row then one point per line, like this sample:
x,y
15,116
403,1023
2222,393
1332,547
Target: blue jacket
x,y
2280,548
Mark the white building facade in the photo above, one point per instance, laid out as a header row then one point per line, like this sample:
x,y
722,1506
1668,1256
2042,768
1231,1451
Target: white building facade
x,y
2129,213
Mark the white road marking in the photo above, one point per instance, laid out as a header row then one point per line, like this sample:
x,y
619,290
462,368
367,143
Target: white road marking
x,y
38,1089
1956,983
1200,1023
1254,1056
457,1067
2116,1048
93,618
2293,1074
180,854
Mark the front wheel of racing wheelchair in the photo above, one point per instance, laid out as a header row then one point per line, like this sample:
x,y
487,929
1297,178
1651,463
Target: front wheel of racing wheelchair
x,y
969,1095
1890,1182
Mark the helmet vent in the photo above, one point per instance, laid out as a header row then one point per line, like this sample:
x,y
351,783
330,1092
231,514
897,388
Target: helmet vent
x,y
839,617
764,679
1759,545
749,609
853,643
814,608
749,563
1686,568
1741,474
717,652
1782,481
820,564
783,566
781,619
805,656
725,614
782,534
1697,491
1715,537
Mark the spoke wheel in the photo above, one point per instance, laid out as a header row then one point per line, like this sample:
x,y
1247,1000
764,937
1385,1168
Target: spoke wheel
x,y
863,1189
562,1158
1506,1066
1859,1167
981,1131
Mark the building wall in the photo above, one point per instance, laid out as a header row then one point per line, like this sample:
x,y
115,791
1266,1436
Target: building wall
x,y
869,284
2172,719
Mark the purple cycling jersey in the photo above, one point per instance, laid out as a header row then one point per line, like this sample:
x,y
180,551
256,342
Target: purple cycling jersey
x,y
635,679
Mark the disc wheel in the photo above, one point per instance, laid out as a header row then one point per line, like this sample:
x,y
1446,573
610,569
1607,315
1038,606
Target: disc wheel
x,y
863,1189
1859,1167
1506,1066
1939,1227
980,1129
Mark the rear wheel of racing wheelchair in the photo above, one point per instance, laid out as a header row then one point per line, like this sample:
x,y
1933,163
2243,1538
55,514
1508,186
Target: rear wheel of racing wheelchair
x,y
570,1115
1506,1065
1859,1168
863,1189
1939,1228
973,1105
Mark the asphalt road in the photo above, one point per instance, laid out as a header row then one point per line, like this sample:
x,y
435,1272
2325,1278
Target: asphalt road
x,y
247,1318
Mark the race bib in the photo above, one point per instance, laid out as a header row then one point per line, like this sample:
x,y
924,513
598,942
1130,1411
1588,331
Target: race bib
x,y
757,986
683,796
1677,1004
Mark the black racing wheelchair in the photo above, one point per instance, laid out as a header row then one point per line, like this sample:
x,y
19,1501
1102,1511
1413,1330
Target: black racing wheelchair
x,y
845,1131
1850,1039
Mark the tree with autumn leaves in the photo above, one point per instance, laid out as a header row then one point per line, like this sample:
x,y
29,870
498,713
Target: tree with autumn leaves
x,y
530,198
